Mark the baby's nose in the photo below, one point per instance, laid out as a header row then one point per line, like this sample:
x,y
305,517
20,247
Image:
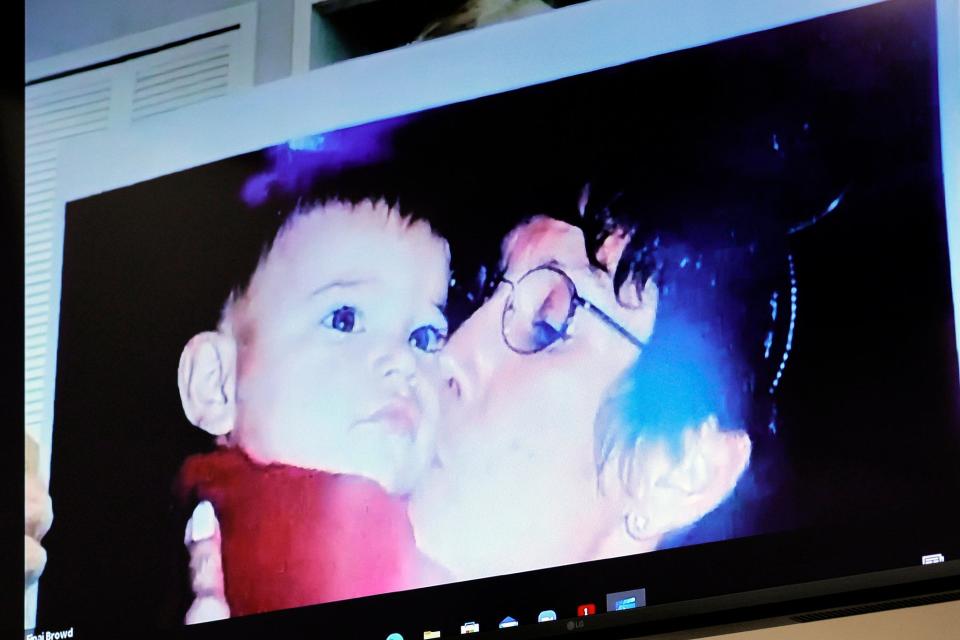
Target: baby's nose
x,y
397,361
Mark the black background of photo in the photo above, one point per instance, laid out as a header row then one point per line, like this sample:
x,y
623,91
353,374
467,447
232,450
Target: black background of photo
x,y
756,134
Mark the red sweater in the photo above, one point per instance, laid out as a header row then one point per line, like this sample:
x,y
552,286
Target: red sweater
x,y
295,537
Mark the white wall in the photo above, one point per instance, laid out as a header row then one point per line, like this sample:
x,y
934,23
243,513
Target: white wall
x,y
930,622
55,27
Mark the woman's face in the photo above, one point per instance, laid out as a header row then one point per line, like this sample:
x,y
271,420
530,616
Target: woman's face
x,y
516,484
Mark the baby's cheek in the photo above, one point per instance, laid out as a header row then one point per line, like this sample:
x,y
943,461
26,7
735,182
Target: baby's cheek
x,y
430,403
428,394
429,374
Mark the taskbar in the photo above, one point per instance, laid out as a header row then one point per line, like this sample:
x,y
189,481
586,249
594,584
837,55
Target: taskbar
x,y
600,616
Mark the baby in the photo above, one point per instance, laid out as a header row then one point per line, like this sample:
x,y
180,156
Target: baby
x,y
321,386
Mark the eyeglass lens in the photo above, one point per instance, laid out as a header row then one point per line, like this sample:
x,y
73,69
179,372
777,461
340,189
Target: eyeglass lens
x,y
538,310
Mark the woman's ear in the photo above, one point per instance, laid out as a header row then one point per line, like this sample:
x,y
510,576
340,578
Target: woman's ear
x,y
207,377
610,252
679,493
637,301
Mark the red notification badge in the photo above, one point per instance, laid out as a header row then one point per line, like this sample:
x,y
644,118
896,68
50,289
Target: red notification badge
x,y
586,610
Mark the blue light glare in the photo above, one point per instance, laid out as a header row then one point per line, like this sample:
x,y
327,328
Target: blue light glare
x,y
307,143
791,327
679,381
297,164
820,216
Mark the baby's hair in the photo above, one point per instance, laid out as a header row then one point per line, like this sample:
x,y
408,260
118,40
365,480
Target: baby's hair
x,y
234,311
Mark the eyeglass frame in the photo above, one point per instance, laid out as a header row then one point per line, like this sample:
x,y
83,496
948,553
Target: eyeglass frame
x,y
576,301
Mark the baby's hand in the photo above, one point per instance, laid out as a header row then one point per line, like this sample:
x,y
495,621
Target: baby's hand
x,y
202,538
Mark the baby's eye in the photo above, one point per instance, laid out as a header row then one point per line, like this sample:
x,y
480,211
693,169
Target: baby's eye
x,y
428,338
345,319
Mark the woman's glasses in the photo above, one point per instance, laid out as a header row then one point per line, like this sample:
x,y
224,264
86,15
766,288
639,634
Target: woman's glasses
x,y
541,306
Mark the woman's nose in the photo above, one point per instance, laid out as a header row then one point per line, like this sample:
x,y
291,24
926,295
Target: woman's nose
x,y
473,353
453,375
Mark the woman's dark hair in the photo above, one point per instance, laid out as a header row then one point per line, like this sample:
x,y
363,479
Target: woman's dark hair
x,y
716,344
726,308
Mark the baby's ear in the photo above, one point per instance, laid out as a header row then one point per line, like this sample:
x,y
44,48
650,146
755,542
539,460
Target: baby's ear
x,y
207,378
678,493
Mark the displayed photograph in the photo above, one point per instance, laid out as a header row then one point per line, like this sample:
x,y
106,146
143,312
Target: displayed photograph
x,y
693,298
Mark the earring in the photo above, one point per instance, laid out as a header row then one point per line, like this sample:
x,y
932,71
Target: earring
x,y
635,525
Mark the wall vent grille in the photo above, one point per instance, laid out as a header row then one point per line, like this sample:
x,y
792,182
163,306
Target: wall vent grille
x,y
67,105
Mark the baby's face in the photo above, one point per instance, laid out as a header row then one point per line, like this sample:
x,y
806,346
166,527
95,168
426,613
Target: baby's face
x,y
338,371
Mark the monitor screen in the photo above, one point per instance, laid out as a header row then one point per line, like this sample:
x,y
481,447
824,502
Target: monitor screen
x,y
665,330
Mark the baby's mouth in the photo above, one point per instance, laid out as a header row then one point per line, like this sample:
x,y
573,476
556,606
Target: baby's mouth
x,y
401,414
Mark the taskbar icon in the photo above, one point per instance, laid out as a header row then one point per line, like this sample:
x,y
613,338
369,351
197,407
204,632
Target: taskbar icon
x,y
549,615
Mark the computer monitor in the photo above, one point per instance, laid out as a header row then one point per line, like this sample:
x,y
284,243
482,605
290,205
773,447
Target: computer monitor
x,y
619,319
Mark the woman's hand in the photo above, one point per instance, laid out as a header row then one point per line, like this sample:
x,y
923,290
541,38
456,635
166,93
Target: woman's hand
x,y
38,516
202,538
